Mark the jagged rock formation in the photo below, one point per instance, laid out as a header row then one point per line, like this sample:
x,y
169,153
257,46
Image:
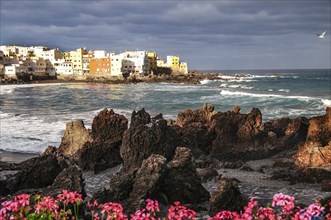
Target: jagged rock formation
x,y
147,136
75,137
104,150
316,151
167,182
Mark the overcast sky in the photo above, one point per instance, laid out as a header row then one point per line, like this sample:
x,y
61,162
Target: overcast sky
x,y
209,35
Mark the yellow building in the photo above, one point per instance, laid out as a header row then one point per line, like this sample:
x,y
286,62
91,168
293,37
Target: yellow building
x,y
173,62
152,61
77,60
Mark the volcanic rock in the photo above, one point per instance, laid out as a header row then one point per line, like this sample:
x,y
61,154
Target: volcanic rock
x,y
207,174
37,172
227,196
147,181
75,138
70,179
145,137
182,182
316,151
196,128
104,151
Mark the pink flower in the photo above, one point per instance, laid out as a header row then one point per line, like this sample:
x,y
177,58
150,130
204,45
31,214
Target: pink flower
x,y
23,199
284,201
179,212
47,203
69,197
152,206
225,215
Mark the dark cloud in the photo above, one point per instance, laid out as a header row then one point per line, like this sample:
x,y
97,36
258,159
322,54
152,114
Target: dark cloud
x,y
208,34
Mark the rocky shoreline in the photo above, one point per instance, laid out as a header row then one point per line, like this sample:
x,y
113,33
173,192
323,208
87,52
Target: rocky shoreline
x,y
193,77
204,158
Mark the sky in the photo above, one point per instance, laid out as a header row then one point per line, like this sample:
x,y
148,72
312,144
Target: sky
x,y
209,35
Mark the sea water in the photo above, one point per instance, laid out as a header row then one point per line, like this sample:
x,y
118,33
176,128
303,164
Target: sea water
x,y
33,116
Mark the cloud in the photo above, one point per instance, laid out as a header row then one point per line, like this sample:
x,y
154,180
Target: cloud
x,y
202,32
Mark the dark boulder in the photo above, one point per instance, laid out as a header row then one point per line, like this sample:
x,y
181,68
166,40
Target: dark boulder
x,y
147,181
120,187
158,179
70,178
37,172
182,182
227,196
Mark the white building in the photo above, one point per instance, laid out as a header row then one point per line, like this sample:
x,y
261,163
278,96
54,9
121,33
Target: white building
x,y
134,62
63,67
100,54
47,54
14,70
116,64
10,50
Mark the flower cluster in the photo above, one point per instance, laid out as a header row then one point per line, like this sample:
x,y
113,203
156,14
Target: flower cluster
x,y
67,206
179,212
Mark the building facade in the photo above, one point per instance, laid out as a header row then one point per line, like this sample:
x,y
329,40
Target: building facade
x,y
134,62
100,66
77,60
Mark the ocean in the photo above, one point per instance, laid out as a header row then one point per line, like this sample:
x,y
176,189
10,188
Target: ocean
x,y
34,116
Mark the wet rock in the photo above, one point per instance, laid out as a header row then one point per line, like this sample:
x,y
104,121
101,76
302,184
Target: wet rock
x,y
146,137
227,196
75,137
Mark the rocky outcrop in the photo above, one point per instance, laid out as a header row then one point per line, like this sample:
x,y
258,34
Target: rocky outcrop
x,y
70,179
75,137
37,172
316,151
203,115
238,136
157,179
104,150
196,128
227,196
147,181
182,182
246,137
147,136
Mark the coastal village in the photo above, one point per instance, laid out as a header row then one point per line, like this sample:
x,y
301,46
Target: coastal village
x,y
40,62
